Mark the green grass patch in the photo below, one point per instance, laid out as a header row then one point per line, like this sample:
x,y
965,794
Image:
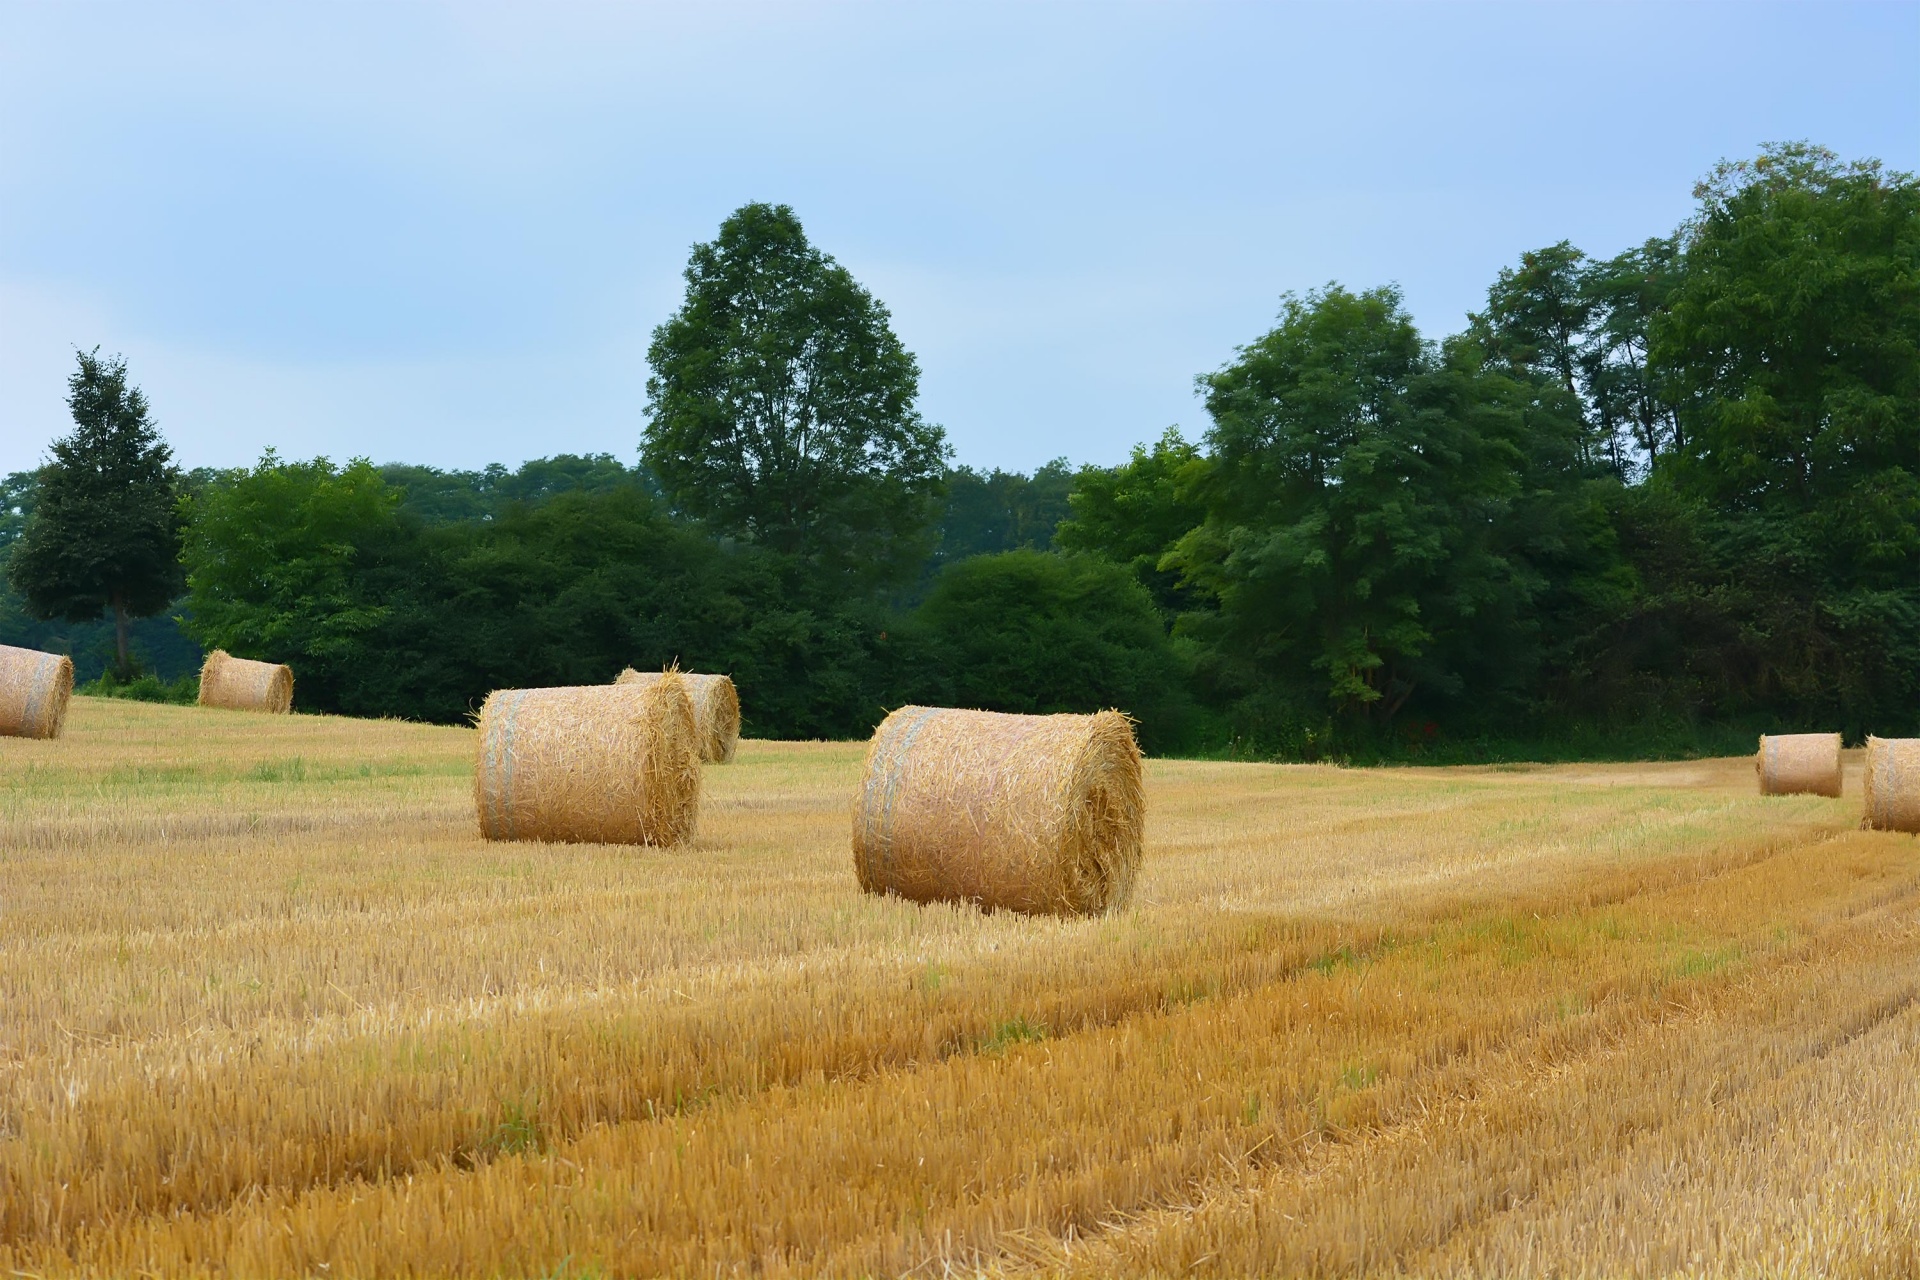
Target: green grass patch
x,y
1011,1032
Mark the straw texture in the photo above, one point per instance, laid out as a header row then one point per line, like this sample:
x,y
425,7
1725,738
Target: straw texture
x,y
716,710
610,763
241,684
1799,764
1040,814
1893,784
34,688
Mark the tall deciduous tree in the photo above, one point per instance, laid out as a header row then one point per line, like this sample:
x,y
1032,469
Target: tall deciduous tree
x,y
781,405
1134,513
988,512
1792,344
105,532
1038,632
1357,483
1537,314
1624,294
1791,347
1536,327
282,560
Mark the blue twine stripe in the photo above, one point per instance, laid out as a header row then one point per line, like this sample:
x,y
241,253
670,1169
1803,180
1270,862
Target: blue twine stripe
x,y
500,761
894,754
36,695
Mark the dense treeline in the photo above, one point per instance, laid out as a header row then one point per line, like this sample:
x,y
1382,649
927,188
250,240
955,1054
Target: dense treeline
x,y
1640,503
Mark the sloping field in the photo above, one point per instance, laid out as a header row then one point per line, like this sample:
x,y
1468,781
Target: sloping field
x,y
268,1006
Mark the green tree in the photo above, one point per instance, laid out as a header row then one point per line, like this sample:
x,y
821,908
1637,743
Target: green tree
x,y
992,511
297,562
383,613
17,489
1038,632
570,590
437,496
1792,345
1791,351
1361,535
1134,513
781,406
104,533
1580,329
1537,327
1537,315
1624,294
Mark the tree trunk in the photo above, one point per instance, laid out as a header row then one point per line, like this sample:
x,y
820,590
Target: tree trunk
x,y
122,665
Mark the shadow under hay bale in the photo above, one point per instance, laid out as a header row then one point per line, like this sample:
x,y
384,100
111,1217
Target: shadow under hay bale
x,y
1893,784
34,690
611,763
1793,764
1040,814
716,710
241,684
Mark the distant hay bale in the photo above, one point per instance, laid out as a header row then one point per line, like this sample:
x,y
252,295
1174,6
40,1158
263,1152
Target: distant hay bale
x,y
716,710
34,688
241,684
610,763
1799,764
1039,814
1893,784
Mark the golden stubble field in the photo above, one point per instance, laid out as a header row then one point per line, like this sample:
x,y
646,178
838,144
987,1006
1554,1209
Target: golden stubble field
x,y
268,1006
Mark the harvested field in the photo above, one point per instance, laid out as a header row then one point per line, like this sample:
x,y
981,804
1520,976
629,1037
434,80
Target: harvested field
x,y
270,1006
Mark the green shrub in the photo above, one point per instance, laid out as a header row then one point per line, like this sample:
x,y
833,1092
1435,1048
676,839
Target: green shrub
x,y
1037,632
145,687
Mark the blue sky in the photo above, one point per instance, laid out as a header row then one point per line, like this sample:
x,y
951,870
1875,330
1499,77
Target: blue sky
x,y
443,233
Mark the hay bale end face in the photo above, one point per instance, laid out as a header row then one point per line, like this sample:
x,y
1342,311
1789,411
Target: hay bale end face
x,y
1893,784
610,763
241,684
1791,764
34,690
1041,814
716,710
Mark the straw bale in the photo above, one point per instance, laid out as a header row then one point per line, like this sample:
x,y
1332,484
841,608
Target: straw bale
x,y
1039,814
1799,764
241,684
716,710
1893,784
610,763
34,688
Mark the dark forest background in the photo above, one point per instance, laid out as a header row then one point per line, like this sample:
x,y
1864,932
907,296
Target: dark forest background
x,y
1639,505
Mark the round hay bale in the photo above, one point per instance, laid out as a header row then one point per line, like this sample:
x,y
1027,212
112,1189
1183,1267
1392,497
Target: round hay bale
x,y
1792,764
716,710
34,688
1893,784
609,763
1040,814
241,684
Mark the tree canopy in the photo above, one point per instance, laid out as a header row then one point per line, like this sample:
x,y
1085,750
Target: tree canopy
x,y
1647,502
1034,633
781,406
103,533
1790,348
1359,506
